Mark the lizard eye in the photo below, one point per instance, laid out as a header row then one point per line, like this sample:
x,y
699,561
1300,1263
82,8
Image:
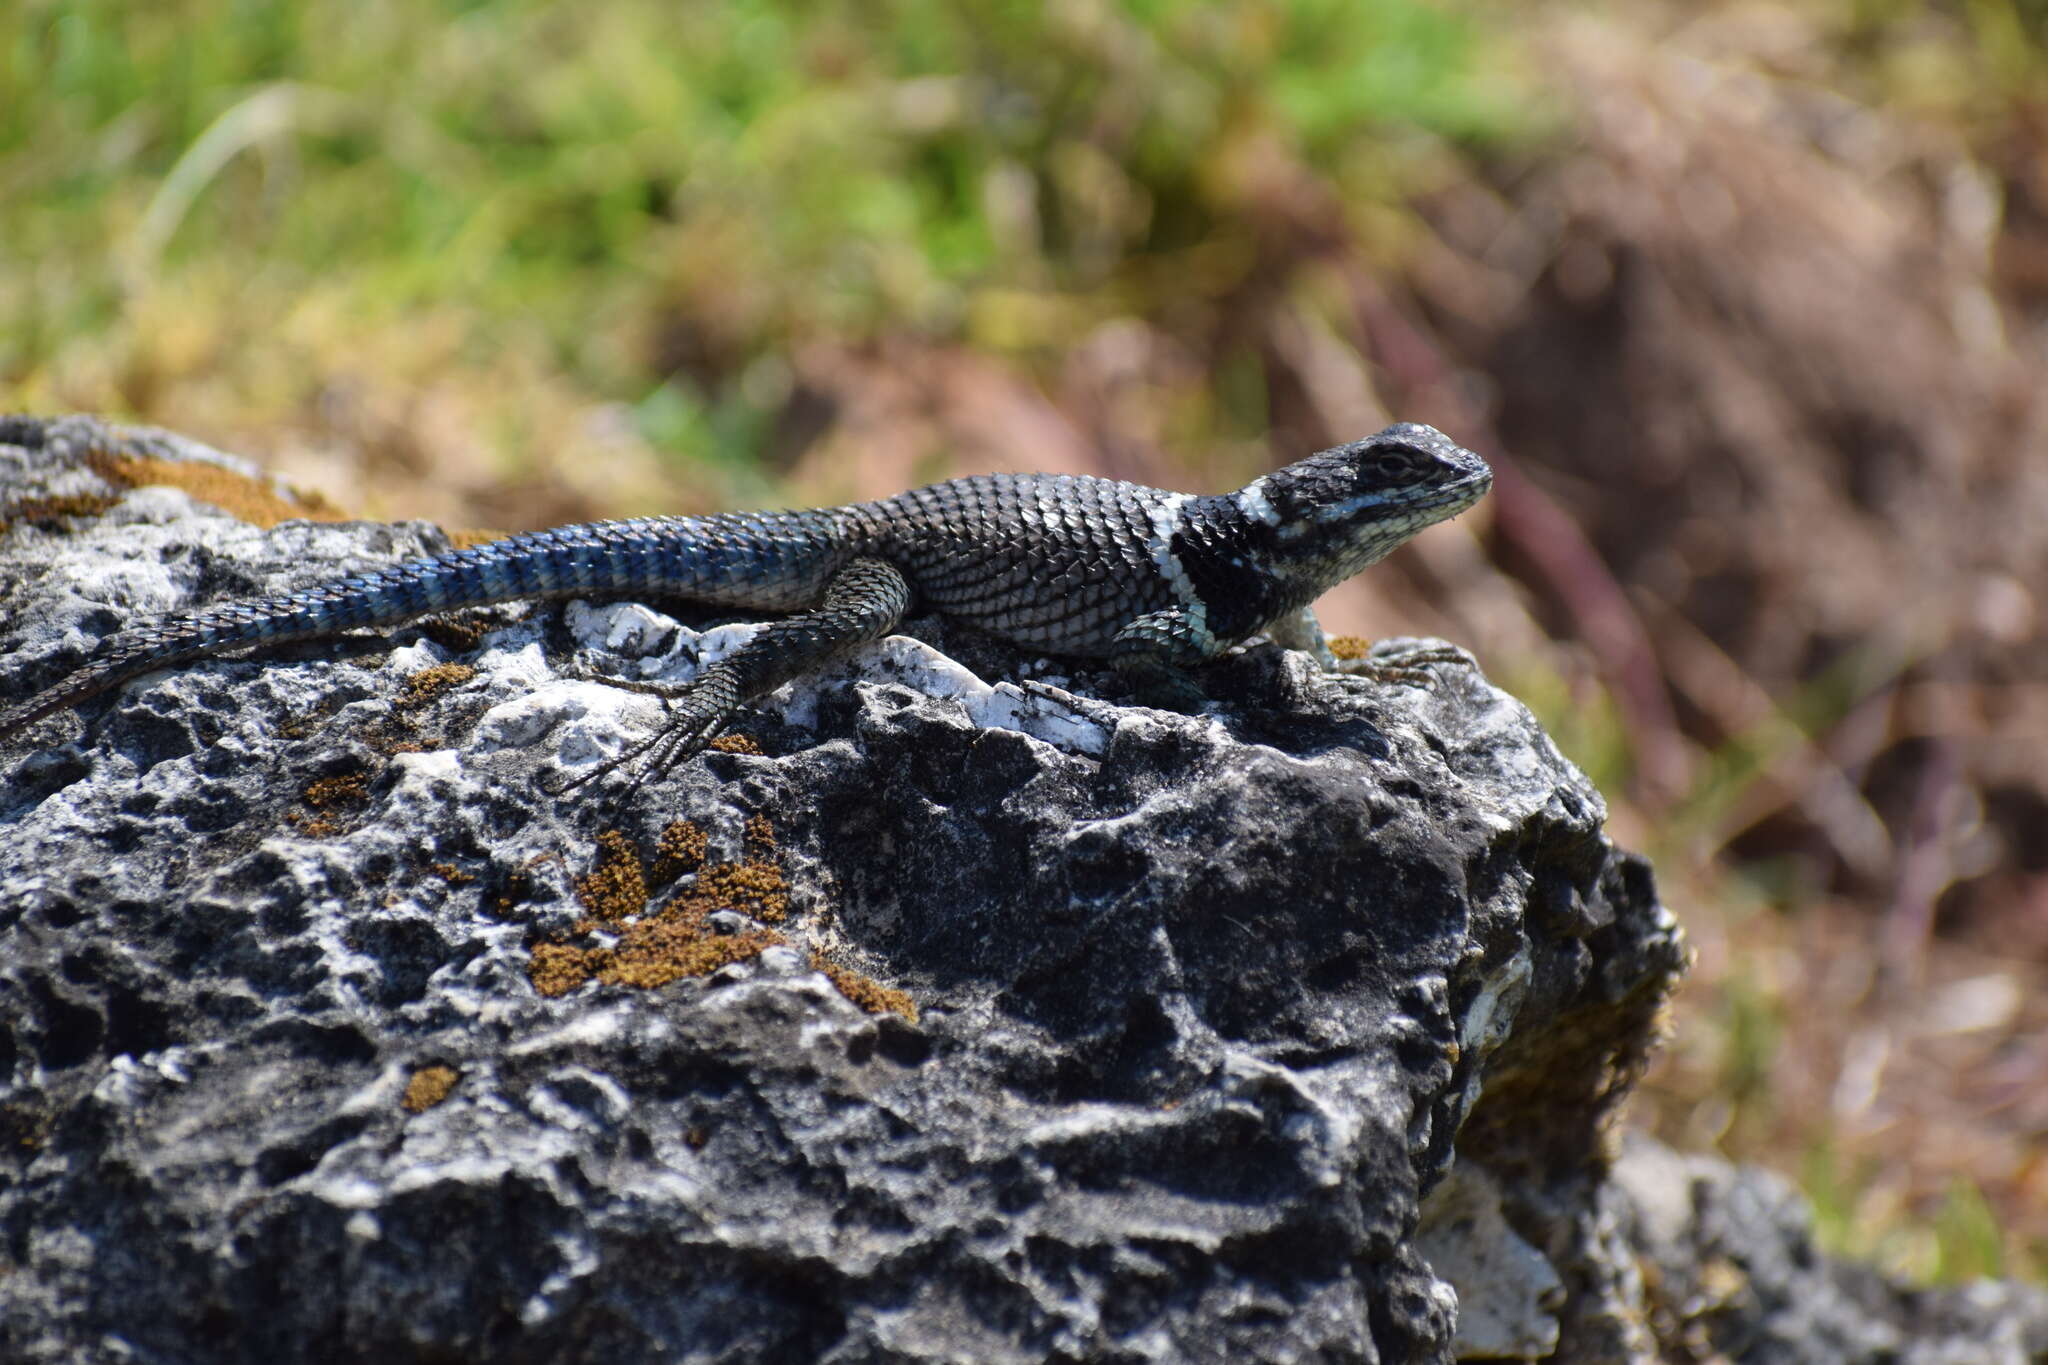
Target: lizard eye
x,y
1395,464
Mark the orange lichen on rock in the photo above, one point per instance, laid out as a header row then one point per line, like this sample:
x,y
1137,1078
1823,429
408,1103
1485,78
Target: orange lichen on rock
x,y
870,994
755,888
58,507
680,849
428,1087
1350,646
456,634
330,796
616,888
343,789
429,683
734,744
260,502
665,947
643,948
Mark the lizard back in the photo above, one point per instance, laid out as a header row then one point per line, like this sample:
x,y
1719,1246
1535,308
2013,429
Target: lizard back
x,y
1050,561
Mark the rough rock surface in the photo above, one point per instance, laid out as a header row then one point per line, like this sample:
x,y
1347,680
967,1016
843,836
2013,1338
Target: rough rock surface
x,y
959,1022
1731,1272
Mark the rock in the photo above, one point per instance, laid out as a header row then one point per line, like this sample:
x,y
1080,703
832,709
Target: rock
x,y
1508,1292
1732,1273
932,1019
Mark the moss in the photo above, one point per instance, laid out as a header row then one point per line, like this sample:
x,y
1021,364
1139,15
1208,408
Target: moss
x,y
428,1087
674,942
343,789
616,888
58,508
628,945
645,949
330,797
256,501
666,949
456,634
429,683
404,728
25,1128
755,888
520,885
558,968
680,849
870,994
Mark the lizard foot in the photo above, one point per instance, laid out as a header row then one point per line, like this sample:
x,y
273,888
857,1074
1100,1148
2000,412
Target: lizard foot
x,y
1403,668
698,711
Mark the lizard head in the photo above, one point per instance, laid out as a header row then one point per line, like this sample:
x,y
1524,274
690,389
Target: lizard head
x,y
1335,512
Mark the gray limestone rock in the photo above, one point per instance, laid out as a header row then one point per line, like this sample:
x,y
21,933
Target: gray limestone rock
x,y
959,1016
1732,1272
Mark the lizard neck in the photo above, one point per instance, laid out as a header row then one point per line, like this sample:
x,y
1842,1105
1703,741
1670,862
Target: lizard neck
x,y
1230,563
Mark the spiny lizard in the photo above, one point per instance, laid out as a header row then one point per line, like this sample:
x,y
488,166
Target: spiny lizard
x,y
1155,582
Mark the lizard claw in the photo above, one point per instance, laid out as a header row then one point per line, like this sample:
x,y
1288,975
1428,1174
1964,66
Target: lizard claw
x,y
682,737
689,729
1402,668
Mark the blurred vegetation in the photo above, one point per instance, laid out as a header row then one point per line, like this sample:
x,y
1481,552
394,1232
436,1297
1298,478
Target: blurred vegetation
x,y
995,172
588,226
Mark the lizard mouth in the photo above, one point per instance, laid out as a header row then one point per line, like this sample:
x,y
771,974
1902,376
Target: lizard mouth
x,y
1457,496
1420,507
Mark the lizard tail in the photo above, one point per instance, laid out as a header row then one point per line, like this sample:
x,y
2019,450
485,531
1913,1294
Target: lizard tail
x,y
569,561
386,598
96,677
772,561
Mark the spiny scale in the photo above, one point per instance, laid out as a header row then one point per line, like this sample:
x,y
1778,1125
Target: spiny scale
x,y
1156,582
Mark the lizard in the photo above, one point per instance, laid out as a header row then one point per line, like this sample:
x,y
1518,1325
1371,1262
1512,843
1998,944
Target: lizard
x,y
1155,582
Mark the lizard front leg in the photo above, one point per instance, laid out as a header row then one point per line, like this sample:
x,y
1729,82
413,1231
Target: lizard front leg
x,y
1156,652
1300,630
863,602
